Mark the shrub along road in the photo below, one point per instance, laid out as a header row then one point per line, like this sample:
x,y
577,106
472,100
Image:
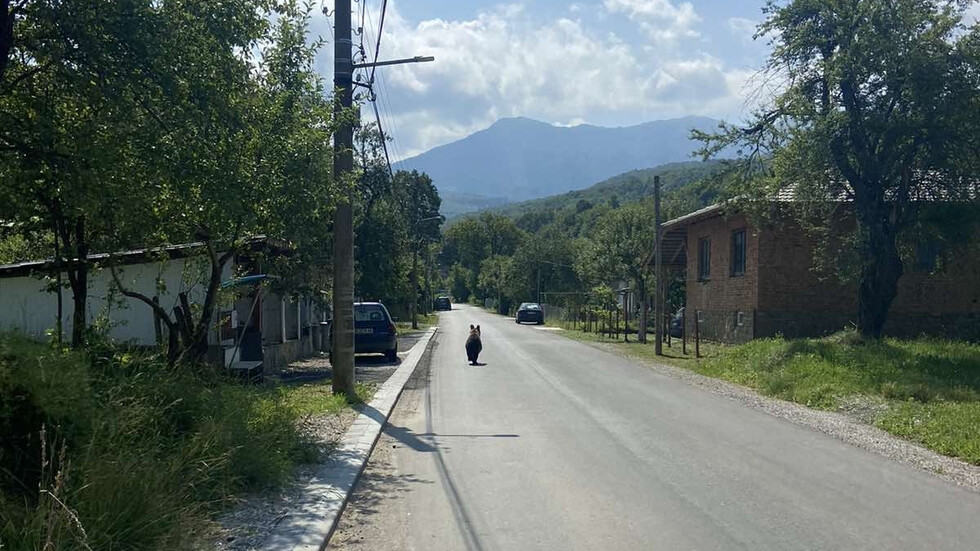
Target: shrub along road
x,y
554,444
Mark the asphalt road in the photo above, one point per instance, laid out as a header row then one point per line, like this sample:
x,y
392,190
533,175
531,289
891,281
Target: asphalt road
x,y
556,445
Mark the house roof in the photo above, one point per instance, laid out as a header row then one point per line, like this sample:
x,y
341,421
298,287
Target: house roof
x,y
707,212
137,256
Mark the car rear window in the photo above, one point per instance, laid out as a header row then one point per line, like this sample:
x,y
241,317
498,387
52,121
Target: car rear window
x,y
369,312
532,307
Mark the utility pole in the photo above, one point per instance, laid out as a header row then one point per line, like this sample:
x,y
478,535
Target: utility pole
x,y
415,282
342,351
658,313
416,239
539,283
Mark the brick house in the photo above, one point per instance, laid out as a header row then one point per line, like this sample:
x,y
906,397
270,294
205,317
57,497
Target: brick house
x,y
745,282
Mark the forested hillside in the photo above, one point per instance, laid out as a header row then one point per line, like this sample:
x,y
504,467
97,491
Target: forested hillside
x,y
570,248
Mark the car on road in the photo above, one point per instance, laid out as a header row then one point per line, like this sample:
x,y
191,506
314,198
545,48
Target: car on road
x,y
530,312
443,303
374,330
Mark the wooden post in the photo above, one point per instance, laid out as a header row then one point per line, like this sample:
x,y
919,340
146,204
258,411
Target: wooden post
x,y
697,336
626,317
684,330
658,293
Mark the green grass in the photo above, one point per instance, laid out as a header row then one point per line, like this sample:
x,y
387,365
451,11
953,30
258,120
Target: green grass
x,y
318,398
135,455
928,390
673,354
425,321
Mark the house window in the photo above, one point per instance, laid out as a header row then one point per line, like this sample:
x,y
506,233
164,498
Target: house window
x,y
738,252
704,259
926,255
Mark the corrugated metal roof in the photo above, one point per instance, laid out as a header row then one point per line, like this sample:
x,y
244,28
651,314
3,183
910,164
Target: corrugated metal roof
x,y
132,256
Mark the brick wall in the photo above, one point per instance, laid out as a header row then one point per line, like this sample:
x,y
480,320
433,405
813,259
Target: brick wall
x,y
781,294
722,296
794,301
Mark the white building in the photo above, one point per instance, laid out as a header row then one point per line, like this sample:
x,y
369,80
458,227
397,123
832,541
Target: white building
x,y
278,329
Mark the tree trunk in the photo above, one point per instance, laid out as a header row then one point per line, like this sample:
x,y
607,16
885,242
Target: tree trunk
x,y
641,334
6,35
59,329
197,344
880,271
78,276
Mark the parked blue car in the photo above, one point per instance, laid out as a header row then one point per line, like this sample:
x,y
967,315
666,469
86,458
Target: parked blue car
x,y
374,330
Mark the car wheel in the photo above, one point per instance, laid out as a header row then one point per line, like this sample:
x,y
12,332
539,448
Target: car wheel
x,y
518,322
392,355
541,322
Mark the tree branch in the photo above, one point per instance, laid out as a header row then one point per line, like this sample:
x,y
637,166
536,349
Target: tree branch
x,y
157,309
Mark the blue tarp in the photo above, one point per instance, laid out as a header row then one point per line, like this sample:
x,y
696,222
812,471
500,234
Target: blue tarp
x,y
247,280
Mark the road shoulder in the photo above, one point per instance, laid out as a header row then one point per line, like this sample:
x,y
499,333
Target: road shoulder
x,y
310,525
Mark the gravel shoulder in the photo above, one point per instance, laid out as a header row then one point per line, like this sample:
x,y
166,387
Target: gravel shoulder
x,y
850,424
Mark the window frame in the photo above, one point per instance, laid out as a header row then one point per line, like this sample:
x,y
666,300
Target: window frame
x,y
704,258
733,270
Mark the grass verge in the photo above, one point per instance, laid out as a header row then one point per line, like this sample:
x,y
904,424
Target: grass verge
x,y
425,321
925,390
673,354
112,450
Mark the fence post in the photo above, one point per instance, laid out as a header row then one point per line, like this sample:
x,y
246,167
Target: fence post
x,y
684,330
697,336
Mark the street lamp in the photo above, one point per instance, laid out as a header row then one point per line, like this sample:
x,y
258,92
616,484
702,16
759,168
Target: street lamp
x,y
415,263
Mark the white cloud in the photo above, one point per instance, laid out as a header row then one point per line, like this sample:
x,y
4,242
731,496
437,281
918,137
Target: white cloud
x,y
972,15
742,28
502,63
663,21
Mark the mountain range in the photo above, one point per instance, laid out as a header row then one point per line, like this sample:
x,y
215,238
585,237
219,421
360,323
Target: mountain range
x,y
517,159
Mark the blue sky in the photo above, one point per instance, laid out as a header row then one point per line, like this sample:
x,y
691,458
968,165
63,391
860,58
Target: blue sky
x,y
602,62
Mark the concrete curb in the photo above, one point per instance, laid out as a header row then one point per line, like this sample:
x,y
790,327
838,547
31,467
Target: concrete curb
x,y
310,525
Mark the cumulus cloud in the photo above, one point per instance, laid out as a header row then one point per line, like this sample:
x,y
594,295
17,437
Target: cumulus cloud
x,y
504,62
742,27
664,21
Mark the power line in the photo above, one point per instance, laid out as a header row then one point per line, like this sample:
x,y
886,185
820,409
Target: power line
x,y
380,87
383,115
381,28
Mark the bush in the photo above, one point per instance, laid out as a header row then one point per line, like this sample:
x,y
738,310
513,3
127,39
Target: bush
x,y
136,456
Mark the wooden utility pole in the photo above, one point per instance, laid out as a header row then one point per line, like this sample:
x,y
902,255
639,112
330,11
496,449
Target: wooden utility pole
x,y
658,313
342,353
342,349
415,281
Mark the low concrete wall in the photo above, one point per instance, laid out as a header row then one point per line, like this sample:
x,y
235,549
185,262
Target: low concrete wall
x,y
278,356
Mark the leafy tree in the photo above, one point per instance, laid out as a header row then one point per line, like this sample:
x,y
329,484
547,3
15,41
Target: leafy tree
x,y
471,241
881,108
459,282
493,278
621,246
543,261
70,119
